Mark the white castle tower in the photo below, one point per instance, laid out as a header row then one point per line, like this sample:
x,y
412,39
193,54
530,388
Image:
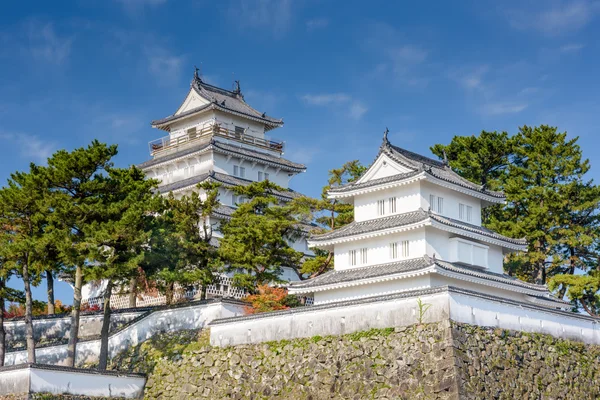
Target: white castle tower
x,y
417,225
216,136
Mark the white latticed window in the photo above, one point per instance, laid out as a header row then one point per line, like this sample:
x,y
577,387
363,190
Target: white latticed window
x,y
363,255
432,202
461,211
239,171
440,205
394,250
405,249
380,207
392,202
352,257
469,213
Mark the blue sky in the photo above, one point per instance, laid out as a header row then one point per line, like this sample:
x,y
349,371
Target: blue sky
x,y
338,72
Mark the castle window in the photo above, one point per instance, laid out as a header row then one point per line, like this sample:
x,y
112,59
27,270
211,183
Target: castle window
x,y
380,207
239,130
405,249
263,176
465,213
469,213
393,250
392,202
440,205
352,257
239,171
191,132
363,255
461,211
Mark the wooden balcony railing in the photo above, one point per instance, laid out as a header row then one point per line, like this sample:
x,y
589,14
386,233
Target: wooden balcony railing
x,y
165,143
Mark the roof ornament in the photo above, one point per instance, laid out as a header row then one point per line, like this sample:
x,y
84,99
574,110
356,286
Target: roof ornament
x,y
445,157
197,74
236,87
386,142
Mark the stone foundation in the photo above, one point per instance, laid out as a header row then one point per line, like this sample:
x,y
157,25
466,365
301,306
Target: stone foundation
x,y
443,360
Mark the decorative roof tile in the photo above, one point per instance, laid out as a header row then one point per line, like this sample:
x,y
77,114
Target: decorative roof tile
x,y
225,180
415,264
409,218
228,149
223,100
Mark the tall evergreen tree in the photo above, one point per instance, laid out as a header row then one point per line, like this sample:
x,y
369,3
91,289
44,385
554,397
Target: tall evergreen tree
x,y
116,239
330,214
23,216
544,168
77,184
256,240
181,250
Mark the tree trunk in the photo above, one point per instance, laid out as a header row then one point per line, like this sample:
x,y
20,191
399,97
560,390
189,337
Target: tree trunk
x,y
2,331
50,283
103,359
74,333
203,289
29,336
570,271
133,292
169,293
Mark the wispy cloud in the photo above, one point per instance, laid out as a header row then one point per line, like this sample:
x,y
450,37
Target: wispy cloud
x,y
397,55
133,6
165,66
272,15
30,147
316,23
553,18
302,154
46,45
471,78
492,109
571,47
325,99
353,108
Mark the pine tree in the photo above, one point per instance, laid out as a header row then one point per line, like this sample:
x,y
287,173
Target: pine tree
x,y
23,216
256,240
77,184
181,249
116,239
482,159
329,214
544,165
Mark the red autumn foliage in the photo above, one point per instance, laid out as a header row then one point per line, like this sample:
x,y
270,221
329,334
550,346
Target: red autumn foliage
x,y
268,299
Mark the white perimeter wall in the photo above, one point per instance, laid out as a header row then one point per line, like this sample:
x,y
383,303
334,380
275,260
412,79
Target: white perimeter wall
x,y
170,320
460,306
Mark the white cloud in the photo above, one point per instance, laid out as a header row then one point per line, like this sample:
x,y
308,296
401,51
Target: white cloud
x,y
30,147
554,17
571,47
316,23
164,66
272,15
398,57
473,78
46,45
355,109
302,154
325,99
492,109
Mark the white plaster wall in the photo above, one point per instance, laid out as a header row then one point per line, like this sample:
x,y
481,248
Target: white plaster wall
x,y
439,280
451,201
407,199
86,384
374,289
14,382
495,259
329,321
59,327
378,249
469,308
485,312
281,178
176,171
169,320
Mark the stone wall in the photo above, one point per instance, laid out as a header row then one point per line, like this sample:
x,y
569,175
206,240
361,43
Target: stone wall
x,y
443,360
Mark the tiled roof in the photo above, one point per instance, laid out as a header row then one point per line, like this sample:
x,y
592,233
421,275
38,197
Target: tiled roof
x,y
393,178
418,163
226,180
227,148
415,264
223,100
354,274
357,228
413,217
